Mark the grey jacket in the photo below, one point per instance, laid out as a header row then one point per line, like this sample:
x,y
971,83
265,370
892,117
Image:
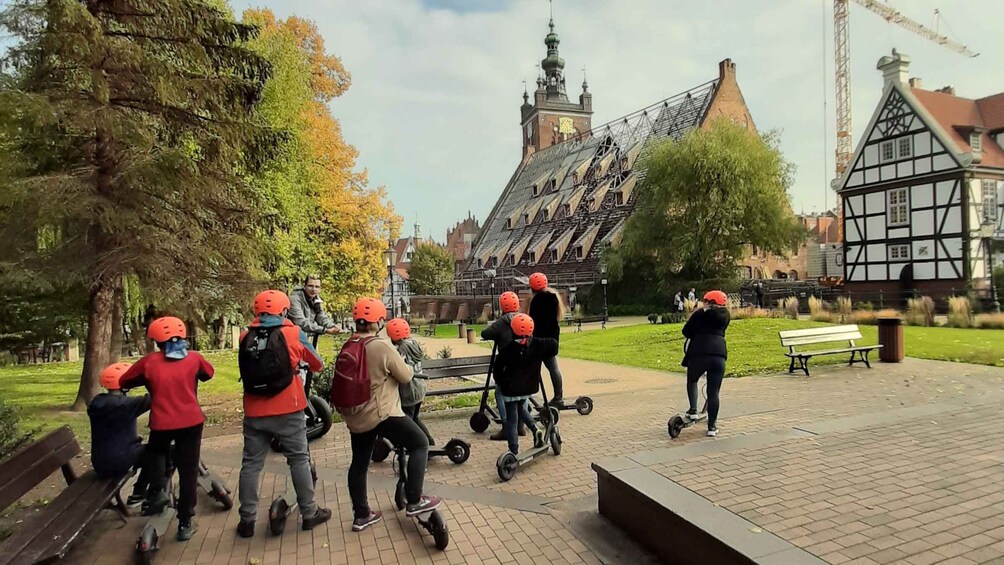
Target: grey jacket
x,y
412,392
303,314
500,331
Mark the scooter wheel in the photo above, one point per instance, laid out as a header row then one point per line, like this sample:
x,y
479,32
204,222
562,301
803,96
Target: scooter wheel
x,y
507,465
322,419
458,450
381,450
555,441
146,545
440,533
277,515
222,495
584,405
399,499
479,422
675,426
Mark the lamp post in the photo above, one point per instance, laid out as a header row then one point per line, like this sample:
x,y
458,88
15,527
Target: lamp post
x,y
390,259
493,297
474,291
603,281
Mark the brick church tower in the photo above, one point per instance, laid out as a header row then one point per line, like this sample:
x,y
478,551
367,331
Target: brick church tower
x,y
552,118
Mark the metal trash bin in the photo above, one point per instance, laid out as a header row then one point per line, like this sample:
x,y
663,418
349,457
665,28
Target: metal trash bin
x,y
890,337
463,330
471,336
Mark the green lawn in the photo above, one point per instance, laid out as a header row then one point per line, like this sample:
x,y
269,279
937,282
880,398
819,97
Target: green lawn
x,y
754,347
450,330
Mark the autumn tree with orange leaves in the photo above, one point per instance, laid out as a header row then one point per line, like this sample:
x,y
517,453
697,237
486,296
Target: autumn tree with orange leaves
x,y
323,217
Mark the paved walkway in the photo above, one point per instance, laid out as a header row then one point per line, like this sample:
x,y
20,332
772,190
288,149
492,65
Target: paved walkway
x,y
900,463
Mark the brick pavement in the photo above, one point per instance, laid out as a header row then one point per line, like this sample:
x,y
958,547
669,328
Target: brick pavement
x,y
878,482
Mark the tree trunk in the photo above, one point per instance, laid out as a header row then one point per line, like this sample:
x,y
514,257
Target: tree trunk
x,y
115,347
99,334
221,333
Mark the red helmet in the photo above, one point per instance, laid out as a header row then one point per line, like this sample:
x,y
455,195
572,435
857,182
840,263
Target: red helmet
x,y
716,297
369,310
111,374
398,329
509,302
538,282
163,329
522,325
271,302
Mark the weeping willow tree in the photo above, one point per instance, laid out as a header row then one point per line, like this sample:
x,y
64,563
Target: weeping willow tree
x,y
132,123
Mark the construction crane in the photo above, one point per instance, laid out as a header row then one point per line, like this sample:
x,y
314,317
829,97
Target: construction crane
x,y
842,55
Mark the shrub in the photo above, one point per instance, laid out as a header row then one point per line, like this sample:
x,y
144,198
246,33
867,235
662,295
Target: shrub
x,y
445,353
990,321
666,318
960,313
920,311
688,307
866,306
817,310
653,318
482,319
789,306
870,317
844,307
12,432
749,312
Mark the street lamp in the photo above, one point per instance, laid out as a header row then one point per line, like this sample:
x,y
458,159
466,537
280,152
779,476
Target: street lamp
x,y
390,259
603,281
491,275
474,308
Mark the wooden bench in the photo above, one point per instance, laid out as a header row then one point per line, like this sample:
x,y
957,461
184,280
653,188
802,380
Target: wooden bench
x,y
795,338
48,533
454,368
431,330
588,320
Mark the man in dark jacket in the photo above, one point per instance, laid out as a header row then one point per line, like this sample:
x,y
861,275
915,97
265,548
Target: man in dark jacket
x,y
706,353
501,333
307,309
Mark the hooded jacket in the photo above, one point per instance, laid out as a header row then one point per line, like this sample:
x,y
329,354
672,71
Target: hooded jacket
x,y
293,398
517,366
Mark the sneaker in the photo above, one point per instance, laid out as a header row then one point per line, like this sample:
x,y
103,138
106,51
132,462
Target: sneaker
x,y
538,438
557,402
425,504
498,436
245,528
156,503
321,516
186,530
712,432
136,498
360,524
692,414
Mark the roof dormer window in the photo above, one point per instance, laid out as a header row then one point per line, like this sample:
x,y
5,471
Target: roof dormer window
x,y
976,142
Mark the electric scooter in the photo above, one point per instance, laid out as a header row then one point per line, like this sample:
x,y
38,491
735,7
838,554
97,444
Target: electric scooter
x,y
680,421
284,505
318,411
458,450
508,463
432,520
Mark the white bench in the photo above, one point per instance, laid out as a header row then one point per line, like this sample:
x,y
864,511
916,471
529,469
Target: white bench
x,y
796,338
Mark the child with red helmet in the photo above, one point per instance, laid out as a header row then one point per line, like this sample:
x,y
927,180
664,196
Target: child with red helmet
x,y
706,353
115,444
517,374
501,333
172,376
380,415
412,393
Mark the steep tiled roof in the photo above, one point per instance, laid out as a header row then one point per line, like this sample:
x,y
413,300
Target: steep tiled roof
x,y
953,112
585,174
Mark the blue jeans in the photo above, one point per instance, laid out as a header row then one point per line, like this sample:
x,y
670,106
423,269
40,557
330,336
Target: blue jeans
x,y
517,408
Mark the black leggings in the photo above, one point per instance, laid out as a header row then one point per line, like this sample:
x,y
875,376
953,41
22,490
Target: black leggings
x,y
412,412
400,431
187,447
714,366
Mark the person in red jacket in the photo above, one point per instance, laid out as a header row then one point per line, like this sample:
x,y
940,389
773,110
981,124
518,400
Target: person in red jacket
x,y
172,377
268,359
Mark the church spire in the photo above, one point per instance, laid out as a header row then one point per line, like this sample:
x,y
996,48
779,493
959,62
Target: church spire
x,y
553,65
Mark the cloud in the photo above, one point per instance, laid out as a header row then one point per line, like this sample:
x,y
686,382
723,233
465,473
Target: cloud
x,y
437,84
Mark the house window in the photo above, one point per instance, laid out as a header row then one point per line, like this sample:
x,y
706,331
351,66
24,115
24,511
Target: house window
x,y
620,199
508,223
536,190
899,213
989,201
512,259
975,142
578,253
480,264
408,257
533,257
904,147
568,209
554,255
899,252
887,153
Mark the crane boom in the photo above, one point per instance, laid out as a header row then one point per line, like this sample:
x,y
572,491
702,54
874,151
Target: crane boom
x,y
899,19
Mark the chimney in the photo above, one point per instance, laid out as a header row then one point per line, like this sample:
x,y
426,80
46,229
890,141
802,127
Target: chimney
x,y
950,90
726,68
915,82
894,68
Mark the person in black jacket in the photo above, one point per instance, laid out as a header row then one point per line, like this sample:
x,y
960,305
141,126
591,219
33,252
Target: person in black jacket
x,y
547,311
501,333
517,373
707,353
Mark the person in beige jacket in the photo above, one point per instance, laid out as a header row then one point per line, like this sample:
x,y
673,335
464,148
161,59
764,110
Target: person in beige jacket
x,y
382,416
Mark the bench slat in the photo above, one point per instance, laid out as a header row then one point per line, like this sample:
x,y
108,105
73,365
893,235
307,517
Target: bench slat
x,y
462,371
30,466
457,390
832,351
456,362
824,330
808,340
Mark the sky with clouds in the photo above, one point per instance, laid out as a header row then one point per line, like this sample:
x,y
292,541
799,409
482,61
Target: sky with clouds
x,y
437,84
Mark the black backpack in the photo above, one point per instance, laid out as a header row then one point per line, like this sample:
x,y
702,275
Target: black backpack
x,y
264,361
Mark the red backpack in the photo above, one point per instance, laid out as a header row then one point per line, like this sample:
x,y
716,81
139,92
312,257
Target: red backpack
x,y
350,385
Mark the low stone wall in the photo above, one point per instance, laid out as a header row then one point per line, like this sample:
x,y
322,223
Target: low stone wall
x,y
443,309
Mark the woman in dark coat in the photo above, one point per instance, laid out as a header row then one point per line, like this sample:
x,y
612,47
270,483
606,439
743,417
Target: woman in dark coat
x,y
706,353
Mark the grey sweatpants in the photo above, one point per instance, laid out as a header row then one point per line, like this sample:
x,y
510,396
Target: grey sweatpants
x,y
291,430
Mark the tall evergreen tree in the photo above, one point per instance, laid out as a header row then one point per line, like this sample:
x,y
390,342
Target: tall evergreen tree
x,y
132,123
